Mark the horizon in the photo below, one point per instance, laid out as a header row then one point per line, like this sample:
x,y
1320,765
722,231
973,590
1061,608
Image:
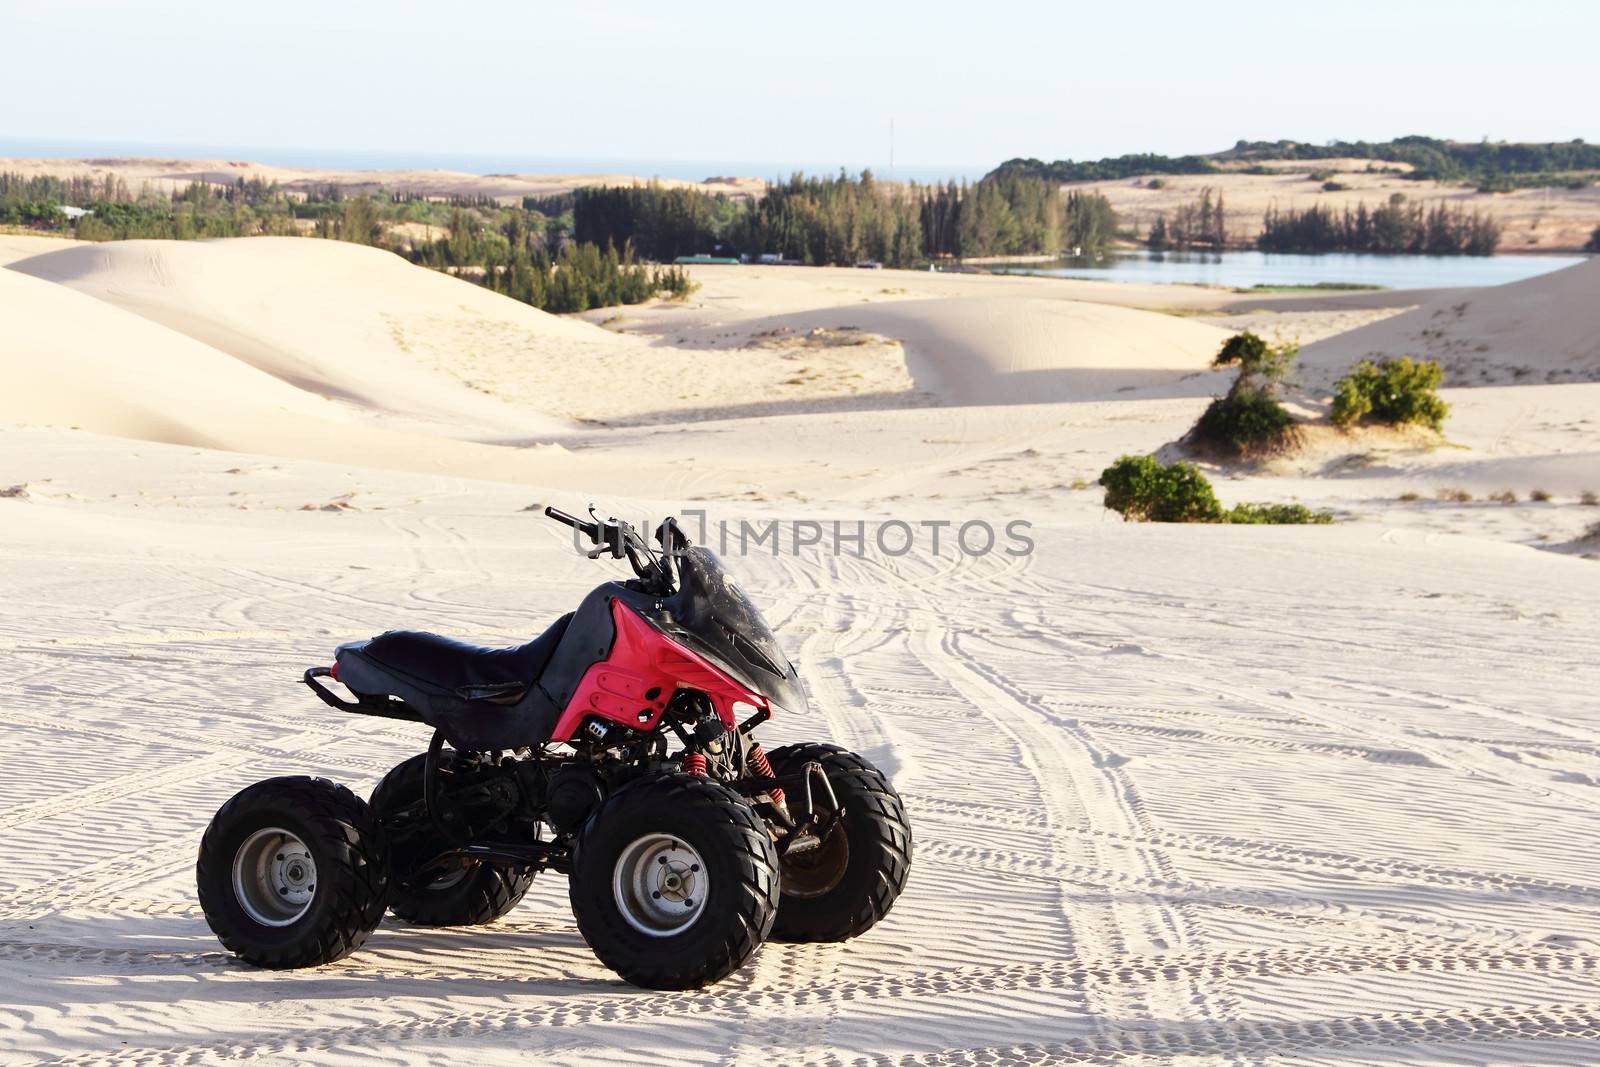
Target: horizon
x,y
477,162
638,83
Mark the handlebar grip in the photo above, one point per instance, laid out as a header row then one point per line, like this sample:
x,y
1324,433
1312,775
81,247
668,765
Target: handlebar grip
x,y
588,529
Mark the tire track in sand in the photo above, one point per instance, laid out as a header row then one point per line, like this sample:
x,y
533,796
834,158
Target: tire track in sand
x,y
1180,1038
1574,1024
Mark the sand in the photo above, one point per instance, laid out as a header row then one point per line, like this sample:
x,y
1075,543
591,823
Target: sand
x,y
1201,795
1542,330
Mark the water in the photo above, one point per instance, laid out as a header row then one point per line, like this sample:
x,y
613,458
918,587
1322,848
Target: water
x,y
1244,270
472,162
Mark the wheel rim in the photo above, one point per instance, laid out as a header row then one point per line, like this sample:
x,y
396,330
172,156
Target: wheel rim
x,y
451,879
274,877
660,884
819,871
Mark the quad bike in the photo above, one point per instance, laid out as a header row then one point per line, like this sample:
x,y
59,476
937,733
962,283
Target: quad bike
x,y
558,755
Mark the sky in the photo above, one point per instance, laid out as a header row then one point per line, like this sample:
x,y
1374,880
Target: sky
x,y
966,85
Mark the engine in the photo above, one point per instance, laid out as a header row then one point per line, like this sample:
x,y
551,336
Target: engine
x,y
575,791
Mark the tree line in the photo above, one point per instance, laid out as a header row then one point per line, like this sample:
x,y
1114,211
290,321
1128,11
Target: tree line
x,y
520,252
523,250
1108,169
815,220
844,220
517,257
1434,159
1491,165
1394,227
583,277
1200,223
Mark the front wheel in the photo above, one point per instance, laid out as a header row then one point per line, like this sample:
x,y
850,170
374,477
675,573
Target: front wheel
x,y
674,882
846,883
293,873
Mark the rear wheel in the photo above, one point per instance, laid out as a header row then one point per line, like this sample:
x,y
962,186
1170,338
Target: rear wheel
x,y
470,894
674,882
293,873
850,880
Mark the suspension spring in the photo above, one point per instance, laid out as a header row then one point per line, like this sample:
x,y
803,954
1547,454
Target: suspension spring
x,y
763,766
694,763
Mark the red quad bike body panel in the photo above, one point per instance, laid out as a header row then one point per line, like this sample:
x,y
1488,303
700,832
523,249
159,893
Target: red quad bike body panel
x,y
643,658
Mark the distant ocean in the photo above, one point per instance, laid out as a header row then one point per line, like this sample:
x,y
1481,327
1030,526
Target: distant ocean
x,y
475,163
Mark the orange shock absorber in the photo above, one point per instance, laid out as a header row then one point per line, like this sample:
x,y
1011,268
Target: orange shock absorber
x,y
694,763
763,766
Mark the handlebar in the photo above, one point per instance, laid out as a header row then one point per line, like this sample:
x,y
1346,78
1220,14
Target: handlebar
x,y
620,540
589,528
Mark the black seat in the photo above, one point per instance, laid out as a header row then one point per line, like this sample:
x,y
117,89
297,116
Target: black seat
x,y
470,672
483,699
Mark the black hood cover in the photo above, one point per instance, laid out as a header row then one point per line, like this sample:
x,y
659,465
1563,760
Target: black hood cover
x,y
712,615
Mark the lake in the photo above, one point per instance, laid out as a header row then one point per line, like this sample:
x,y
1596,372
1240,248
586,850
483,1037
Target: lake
x,y
1245,270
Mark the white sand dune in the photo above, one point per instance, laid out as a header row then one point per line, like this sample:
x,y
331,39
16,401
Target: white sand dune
x,y
24,246
325,316
1541,330
69,359
1013,351
1016,350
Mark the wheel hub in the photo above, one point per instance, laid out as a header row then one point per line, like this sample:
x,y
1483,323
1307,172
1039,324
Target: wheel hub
x,y
274,877
660,885
817,868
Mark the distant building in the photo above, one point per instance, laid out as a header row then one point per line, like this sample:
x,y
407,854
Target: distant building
x,y
73,213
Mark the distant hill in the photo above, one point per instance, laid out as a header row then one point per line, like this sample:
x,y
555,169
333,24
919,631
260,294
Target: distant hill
x,y
1490,165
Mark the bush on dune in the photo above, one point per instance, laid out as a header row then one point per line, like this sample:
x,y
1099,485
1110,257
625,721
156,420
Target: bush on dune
x,y
1277,515
1143,489
1249,421
1391,391
1244,425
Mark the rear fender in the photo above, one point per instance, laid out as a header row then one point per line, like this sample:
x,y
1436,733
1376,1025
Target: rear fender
x,y
645,661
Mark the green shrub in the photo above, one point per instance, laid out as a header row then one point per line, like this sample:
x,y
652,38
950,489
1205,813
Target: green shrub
x,y
1262,367
1249,420
1243,349
1391,391
1277,514
1594,241
1244,424
1142,489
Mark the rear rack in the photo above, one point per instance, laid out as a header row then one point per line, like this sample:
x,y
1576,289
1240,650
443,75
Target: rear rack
x,y
379,707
